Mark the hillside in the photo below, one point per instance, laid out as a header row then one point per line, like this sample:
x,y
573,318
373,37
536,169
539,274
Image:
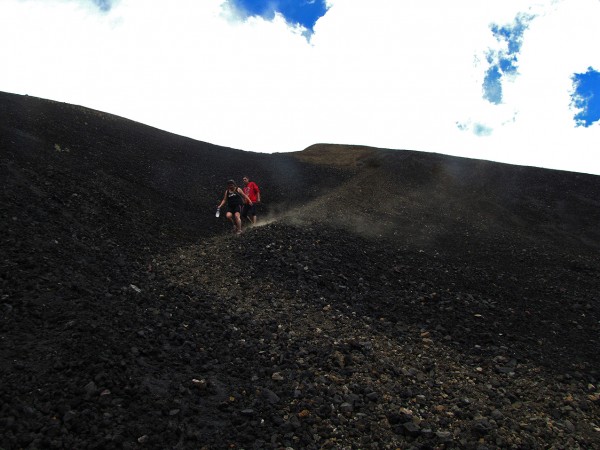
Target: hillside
x,y
388,299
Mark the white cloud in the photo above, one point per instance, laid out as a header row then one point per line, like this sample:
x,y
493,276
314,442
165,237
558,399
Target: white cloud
x,y
383,73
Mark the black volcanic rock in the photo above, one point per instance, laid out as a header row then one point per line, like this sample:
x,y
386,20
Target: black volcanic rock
x,y
388,299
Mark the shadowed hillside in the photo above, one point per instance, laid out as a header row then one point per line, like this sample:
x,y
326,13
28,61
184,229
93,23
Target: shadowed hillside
x,y
389,299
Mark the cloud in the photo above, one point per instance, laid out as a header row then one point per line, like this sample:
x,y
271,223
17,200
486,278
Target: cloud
x,y
482,130
404,75
504,62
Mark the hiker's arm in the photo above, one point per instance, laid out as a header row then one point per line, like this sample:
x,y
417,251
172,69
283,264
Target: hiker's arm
x,y
245,196
257,193
223,201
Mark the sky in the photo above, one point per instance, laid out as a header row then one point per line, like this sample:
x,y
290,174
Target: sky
x,y
515,81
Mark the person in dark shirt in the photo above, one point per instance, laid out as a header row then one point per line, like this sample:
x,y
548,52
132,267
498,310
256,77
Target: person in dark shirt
x,y
235,198
253,193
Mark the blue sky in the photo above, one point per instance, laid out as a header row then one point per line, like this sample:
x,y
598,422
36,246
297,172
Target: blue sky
x,y
296,12
103,5
516,81
504,64
586,97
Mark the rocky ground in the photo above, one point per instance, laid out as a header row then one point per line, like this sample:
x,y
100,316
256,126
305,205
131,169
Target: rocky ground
x,y
388,299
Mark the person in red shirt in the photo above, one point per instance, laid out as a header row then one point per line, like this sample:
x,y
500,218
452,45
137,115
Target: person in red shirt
x,y
253,193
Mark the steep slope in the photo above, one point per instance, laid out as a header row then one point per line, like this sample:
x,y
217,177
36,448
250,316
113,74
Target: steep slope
x,y
440,197
390,299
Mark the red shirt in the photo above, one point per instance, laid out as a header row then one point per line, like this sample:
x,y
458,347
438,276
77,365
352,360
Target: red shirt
x,y
251,190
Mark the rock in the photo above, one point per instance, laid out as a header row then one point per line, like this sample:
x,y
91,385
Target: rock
x,y
402,416
568,425
346,407
339,359
270,396
444,436
69,416
372,396
411,429
200,384
90,388
481,427
304,413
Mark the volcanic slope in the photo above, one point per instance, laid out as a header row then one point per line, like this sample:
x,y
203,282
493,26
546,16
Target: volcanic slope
x,y
388,299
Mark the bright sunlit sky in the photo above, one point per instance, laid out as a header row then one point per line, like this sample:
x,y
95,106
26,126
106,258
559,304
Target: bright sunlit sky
x,y
516,81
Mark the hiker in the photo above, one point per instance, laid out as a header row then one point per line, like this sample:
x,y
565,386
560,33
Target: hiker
x,y
235,198
253,193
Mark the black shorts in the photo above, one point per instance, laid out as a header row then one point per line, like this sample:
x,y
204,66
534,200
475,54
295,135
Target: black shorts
x,y
234,209
249,210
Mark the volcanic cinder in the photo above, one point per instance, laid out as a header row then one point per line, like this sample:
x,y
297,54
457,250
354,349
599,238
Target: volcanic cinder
x,y
387,299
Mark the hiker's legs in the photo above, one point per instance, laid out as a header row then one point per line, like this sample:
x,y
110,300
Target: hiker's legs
x,y
230,217
249,213
246,213
238,222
